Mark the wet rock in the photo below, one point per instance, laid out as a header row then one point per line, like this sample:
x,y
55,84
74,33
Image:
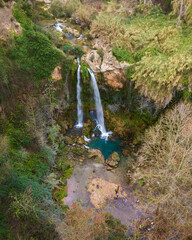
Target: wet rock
x,y
113,160
68,140
96,155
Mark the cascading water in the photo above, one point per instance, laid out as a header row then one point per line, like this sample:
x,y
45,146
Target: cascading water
x,y
99,109
58,26
79,104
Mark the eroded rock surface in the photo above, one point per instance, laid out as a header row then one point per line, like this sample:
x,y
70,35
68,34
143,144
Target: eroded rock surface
x,y
113,160
96,155
8,24
102,190
114,71
56,74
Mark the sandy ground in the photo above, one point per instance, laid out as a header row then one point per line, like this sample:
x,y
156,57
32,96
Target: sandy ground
x,y
105,193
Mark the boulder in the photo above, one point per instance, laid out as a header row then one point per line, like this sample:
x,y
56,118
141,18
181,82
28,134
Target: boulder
x,y
68,140
113,160
96,155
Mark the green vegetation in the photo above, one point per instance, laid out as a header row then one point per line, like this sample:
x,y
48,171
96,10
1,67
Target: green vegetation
x,y
1,4
64,9
149,38
100,53
34,161
32,50
78,151
122,55
70,50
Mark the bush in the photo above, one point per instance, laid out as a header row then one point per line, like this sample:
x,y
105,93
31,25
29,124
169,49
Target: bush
x,y
33,50
1,4
57,8
64,9
67,48
76,50
84,15
122,55
100,52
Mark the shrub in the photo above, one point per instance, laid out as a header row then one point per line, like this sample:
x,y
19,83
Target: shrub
x,y
100,52
64,9
84,15
76,50
32,50
1,4
67,48
57,8
122,55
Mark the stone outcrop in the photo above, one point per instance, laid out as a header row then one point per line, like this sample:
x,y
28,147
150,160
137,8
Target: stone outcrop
x,y
8,22
113,160
106,63
96,155
56,74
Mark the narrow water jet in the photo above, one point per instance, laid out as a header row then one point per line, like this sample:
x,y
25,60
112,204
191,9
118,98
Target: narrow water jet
x,y
79,104
99,109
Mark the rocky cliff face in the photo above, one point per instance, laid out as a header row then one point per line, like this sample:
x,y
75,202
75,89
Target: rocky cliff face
x,y
103,61
8,22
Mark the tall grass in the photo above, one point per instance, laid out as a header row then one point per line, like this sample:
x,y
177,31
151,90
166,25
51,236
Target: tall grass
x,y
165,52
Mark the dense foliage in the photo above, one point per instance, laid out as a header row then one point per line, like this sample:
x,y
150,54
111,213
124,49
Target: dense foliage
x,y
162,53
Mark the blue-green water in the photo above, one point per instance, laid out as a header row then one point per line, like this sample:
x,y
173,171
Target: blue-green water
x,y
107,147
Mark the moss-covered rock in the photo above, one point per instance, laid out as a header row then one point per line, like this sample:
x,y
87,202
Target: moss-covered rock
x,y
113,160
96,155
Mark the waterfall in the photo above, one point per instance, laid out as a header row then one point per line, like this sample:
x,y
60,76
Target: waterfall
x,y
58,26
99,109
79,104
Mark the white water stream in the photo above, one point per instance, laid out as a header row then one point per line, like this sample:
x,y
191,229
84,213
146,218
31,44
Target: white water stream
x,y
99,108
79,104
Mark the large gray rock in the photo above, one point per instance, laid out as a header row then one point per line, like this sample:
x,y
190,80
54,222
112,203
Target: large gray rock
x,y
96,155
113,160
